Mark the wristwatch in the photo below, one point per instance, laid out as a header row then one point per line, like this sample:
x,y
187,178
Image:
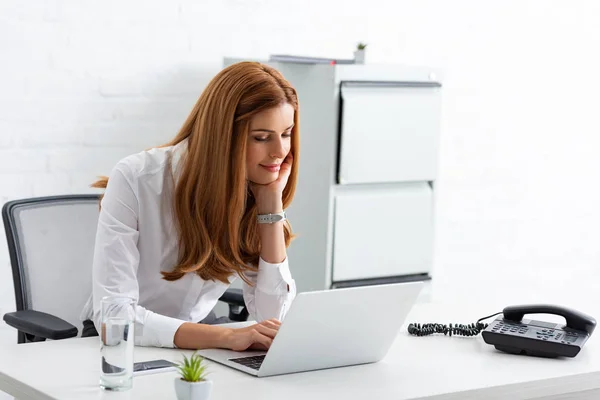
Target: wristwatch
x,y
271,218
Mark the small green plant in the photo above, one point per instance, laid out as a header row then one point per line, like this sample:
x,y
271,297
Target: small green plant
x,y
361,46
192,369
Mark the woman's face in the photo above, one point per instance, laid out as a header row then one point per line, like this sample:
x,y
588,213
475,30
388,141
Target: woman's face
x,y
269,142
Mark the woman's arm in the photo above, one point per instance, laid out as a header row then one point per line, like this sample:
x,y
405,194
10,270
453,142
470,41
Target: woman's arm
x,y
272,239
274,289
269,201
201,336
116,259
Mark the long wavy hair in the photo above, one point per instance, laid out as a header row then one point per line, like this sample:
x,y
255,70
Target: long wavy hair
x,y
215,213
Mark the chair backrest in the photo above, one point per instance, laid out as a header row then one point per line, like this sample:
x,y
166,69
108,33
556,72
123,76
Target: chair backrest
x,y
51,246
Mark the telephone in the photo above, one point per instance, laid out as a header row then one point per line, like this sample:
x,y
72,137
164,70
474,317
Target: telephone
x,y
512,334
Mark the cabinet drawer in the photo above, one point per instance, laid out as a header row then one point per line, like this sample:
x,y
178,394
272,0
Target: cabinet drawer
x,y
383,232
389,132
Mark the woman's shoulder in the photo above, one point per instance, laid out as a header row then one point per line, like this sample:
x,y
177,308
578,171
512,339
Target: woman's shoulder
x,y
150,162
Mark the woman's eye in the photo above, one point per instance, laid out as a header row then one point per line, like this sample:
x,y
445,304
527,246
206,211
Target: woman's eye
x,y
266,138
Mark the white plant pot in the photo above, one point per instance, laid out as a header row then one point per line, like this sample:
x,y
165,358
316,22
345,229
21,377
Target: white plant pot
x,y
192,390
359,56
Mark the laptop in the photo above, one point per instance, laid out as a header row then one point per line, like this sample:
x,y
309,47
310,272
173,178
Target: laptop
x,y
328,329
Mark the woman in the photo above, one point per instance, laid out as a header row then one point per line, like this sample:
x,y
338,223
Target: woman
x,y
180,222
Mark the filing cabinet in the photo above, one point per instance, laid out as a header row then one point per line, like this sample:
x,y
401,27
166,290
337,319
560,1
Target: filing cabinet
x,y
363,211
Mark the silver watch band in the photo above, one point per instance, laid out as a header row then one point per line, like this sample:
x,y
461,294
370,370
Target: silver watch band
x,y
271,218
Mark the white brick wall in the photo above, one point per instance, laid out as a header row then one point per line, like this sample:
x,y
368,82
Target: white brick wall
x,y
84,83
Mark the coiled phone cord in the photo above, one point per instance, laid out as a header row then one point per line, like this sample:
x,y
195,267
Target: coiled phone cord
x,y
456,329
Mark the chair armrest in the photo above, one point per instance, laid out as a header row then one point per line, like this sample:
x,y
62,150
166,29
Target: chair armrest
x,y
233,297
40,324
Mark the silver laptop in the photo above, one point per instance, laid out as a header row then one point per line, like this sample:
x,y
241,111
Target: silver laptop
x,y
331,328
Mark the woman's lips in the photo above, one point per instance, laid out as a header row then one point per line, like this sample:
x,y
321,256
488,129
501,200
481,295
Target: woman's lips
x,y
271,167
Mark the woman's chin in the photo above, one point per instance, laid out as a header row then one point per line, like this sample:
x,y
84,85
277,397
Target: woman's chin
x,y
263,180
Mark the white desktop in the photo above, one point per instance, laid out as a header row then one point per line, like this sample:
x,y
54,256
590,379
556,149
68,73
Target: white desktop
x,y
434,367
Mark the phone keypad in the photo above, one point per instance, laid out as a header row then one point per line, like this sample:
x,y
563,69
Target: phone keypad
x,y
544,334
505,327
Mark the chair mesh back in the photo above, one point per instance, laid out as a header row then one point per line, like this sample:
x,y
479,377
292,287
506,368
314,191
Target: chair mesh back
x,y
56,243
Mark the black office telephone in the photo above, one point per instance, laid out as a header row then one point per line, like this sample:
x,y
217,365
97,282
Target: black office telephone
x,y
513,334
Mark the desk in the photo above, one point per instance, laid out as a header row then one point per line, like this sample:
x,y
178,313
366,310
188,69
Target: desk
x,y
433,368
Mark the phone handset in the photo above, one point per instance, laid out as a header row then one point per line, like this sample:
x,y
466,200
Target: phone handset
x,y
575,319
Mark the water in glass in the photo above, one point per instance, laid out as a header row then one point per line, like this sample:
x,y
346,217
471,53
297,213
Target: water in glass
x,y
117,346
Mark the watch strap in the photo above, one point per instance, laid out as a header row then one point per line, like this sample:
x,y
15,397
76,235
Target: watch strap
x,y
271,218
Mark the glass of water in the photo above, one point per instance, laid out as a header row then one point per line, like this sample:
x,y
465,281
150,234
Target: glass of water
x,y
117,336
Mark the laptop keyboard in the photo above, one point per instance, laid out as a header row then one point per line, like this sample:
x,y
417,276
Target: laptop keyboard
x,y
253,362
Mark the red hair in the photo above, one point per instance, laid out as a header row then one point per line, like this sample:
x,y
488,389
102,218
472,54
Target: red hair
x,y
214,215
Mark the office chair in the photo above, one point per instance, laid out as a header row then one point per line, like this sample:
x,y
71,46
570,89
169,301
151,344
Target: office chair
x,y
51,246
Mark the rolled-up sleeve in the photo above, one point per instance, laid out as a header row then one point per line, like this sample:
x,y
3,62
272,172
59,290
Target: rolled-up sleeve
x,y
116,260
272,292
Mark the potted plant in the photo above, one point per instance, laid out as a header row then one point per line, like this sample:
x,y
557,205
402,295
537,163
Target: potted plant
x,y
192,383
359,53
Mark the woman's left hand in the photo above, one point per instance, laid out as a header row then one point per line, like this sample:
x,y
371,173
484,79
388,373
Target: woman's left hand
x,y
268,197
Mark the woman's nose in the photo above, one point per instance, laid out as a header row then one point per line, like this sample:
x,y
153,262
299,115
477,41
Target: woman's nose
x,y
278,151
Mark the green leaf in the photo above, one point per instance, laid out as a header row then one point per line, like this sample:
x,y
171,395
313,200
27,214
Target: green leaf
x,y
192,369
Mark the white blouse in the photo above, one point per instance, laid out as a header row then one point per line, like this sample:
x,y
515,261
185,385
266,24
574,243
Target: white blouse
x,y
136,239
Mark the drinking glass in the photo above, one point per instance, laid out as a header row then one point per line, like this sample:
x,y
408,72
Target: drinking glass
x,y
117,336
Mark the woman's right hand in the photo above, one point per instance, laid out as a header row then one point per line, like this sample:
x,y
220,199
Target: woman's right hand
x,y
255,337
